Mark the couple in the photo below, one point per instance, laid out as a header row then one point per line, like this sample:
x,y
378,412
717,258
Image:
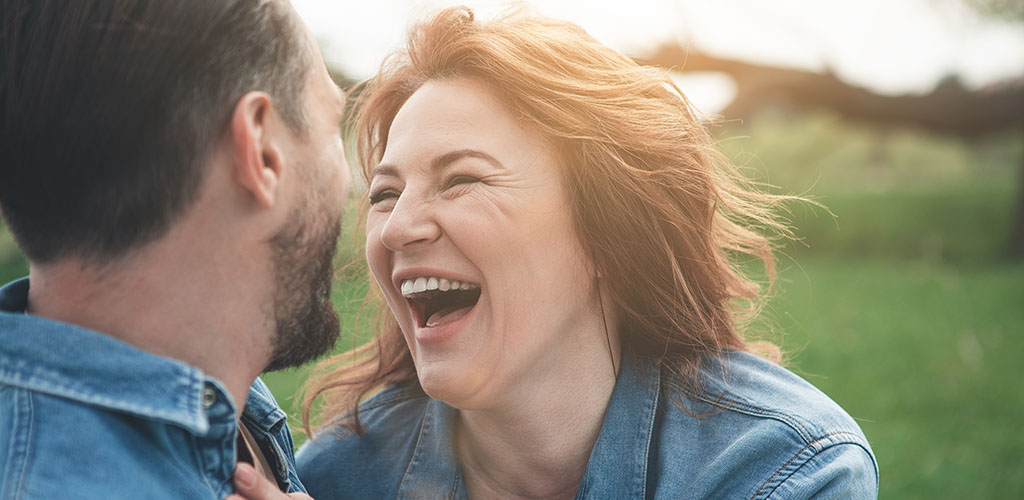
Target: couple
x,y
550,229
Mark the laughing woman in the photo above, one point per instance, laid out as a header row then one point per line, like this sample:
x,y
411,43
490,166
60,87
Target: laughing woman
x,y
555,237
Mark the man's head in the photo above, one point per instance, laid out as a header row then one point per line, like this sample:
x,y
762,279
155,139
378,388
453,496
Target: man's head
x,y
115,113
111,108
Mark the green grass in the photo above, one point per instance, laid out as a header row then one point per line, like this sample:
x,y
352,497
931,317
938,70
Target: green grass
x,y
964,226
926,357
12,265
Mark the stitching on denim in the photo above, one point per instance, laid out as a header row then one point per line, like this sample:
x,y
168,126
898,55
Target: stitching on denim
x,y
28,442
749,409
779,470
187,401
797,455
225,442
398,396
650,433
278,458
415,454
22,443
52,383
454,490
269,421
197,455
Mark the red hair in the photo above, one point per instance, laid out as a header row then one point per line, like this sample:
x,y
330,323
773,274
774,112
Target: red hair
x,y
658,211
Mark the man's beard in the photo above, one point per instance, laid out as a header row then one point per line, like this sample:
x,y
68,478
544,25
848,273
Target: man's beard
x,y
306,323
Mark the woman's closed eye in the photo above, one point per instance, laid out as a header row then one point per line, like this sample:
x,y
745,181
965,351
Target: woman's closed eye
x,y
382,195
459,180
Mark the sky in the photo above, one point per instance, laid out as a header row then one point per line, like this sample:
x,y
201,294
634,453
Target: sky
x,y
889,46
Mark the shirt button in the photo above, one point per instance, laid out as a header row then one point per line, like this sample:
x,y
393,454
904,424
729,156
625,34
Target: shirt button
x,y
209,397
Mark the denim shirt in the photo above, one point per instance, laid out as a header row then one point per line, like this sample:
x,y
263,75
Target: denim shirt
x,y
85,416
767,434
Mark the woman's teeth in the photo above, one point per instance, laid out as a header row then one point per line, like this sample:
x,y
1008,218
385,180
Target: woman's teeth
x,y
413,286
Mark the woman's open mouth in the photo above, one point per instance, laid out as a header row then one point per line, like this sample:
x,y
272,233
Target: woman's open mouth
x,y
439,301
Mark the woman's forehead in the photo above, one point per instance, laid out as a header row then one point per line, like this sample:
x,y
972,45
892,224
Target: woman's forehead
x,y
447,115
453,104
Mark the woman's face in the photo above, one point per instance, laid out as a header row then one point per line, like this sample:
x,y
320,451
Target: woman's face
x,y
470,237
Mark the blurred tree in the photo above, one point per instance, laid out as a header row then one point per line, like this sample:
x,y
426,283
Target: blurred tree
x,y
1003,9
950,108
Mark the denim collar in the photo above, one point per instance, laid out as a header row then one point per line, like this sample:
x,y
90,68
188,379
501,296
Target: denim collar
x,y
71,362
434,466
618,462
261,411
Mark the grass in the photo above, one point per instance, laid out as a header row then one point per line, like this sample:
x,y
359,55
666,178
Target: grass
x,y
964,226
926,357
12,265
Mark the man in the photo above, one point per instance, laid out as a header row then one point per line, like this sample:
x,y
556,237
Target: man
x,y
173,171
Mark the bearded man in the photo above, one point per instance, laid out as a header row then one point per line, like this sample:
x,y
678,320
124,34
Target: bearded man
x,y
174,173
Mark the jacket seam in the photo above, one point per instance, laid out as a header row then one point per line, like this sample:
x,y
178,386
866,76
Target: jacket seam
x,y
197,455
453,492
18,469
650,433
46,382
749,409
269,416
389,399
415,453
778,472
275,454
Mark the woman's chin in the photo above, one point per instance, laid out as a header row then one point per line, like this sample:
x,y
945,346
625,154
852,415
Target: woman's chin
x,y
456,388
439,384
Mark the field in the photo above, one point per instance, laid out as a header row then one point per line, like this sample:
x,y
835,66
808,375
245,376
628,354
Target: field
x,y
902,306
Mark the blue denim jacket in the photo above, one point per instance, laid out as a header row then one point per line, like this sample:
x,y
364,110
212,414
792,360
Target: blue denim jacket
x,y
768,434
85,416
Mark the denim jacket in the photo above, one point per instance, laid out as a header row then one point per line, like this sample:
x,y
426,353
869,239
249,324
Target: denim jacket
x,y
767,434
85,416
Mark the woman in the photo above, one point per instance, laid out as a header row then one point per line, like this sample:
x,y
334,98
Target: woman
x,y
554,236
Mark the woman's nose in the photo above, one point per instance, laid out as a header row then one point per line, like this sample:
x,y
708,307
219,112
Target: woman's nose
x,y
410,223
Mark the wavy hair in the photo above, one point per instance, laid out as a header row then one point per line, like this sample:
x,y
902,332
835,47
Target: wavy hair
x,y
661,215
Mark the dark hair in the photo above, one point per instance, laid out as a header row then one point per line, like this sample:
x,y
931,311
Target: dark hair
x,y
111,107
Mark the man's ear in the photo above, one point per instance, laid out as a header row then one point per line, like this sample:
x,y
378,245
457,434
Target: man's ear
x,y
257,159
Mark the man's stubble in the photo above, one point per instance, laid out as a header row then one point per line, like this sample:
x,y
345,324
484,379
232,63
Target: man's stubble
x,y
306,323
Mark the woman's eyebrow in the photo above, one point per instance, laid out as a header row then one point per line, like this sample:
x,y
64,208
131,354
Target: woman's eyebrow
x,y
450,157
440,162
384,169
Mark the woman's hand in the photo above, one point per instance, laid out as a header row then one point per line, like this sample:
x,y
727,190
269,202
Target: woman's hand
x,y
252,486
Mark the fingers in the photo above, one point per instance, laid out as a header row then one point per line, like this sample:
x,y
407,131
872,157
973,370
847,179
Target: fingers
x,y
252,486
